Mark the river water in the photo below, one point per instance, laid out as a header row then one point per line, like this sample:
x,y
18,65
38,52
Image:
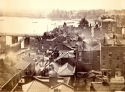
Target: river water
x,y
23,25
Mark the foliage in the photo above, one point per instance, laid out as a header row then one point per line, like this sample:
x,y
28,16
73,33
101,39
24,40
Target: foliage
x,y
83,23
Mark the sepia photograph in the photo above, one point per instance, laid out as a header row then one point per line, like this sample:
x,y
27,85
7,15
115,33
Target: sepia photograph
x,y
62,45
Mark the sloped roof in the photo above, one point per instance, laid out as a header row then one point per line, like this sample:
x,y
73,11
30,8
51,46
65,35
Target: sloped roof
x,y
5,76
110,41
63,84
66,70
68,54
97,47
1,82
65,55
100,87
68,45
9,69
37,86
27,58
87,47
122,41
95,72
21,64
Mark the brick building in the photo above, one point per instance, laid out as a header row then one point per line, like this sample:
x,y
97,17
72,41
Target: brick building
x,y
88,58
113,57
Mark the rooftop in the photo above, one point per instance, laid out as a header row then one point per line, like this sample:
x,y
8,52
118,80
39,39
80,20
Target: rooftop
x,y
109,20
66,70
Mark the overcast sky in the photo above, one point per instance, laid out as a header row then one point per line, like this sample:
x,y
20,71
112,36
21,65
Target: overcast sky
x,y
15,5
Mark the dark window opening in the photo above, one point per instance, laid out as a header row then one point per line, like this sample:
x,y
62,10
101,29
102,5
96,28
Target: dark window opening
x,y
118,66
110,54
103,64
98,54
103,57
117,57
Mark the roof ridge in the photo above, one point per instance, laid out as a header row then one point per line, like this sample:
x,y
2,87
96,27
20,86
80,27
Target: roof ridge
x,y
60,84
61,67
95,46
30,86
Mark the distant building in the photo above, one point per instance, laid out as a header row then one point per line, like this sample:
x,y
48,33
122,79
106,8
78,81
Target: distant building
x,y
109,25
2,44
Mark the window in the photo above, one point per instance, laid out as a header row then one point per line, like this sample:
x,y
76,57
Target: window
x,y
42,47
98,53
103,57
50,47
109,26
103,63
117,66
57,90
79,58
80,54
110,54
117,57
110,61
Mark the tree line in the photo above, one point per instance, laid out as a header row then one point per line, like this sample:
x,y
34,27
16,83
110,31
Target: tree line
x,y
89,14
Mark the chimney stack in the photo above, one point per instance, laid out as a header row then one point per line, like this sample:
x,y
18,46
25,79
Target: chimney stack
x,y
52,76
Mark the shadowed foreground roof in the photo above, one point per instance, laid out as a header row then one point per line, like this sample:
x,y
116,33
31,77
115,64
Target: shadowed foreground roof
x,y
100,87
37,86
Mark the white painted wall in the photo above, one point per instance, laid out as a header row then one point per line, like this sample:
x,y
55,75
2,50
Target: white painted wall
x,y
22,43
8,40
